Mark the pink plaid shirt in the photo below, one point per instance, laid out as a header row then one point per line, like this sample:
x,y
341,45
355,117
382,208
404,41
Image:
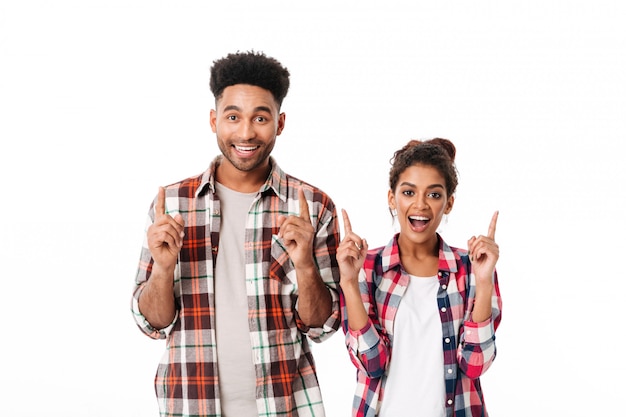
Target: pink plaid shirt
x,y
468,348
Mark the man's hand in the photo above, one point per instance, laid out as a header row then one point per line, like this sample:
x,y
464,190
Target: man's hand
x,y
165,235
297,233
165,239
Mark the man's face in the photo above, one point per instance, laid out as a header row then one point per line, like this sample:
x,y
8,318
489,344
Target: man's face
x,y
246,123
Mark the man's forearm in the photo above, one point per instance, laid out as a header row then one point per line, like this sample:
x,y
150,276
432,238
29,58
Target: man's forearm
x,y
156,301
314,300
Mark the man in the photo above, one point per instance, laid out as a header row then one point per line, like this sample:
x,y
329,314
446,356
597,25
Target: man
x,y
238,266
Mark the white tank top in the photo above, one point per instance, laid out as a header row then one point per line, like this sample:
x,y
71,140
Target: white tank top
x,y
415,385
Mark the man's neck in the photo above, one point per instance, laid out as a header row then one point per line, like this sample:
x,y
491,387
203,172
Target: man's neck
x,y
241,181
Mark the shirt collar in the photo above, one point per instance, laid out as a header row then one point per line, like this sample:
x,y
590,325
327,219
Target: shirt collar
x,y
447,257
276,180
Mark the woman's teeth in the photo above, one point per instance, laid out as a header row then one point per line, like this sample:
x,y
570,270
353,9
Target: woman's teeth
x,y
418,220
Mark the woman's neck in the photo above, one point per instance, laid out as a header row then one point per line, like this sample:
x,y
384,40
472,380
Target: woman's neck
x,y
421,259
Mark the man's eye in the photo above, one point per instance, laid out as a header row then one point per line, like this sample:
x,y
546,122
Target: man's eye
x,y
231,117
260,119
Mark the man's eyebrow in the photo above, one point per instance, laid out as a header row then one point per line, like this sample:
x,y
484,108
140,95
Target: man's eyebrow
x,y
256,109
232,107
263,109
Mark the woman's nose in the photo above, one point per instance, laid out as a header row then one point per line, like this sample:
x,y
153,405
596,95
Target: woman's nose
x,y
420,202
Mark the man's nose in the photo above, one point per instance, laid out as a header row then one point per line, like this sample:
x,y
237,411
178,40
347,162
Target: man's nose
x,y
246,130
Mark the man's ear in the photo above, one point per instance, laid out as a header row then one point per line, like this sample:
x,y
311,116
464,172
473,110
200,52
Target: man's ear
x,y
281,123
212,120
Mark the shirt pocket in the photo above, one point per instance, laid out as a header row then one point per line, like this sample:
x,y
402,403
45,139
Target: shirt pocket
x,y
280,290
282,269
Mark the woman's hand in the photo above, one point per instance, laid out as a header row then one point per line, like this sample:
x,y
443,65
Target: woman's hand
x,y
350,254
484,253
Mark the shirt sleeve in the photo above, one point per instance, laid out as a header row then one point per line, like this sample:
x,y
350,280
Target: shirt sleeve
x,y
326,242
145,265
143,323
477,349
367,347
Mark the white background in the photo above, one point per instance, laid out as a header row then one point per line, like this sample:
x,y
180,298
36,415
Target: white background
x,y
103,101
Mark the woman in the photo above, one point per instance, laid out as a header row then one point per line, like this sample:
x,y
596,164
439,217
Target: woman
x,y
420,316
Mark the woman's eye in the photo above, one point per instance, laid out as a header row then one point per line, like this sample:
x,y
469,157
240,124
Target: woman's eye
x,y
408,193
435,195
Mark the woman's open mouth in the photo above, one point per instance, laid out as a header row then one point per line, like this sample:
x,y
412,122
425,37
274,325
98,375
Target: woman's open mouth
x,y
419,223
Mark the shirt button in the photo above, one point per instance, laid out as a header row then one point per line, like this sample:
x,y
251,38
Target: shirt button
x,y
449,402
443,309
449,371
444,286
447,340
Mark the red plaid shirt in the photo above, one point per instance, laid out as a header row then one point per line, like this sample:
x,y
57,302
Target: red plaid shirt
x,y
468,348
187,381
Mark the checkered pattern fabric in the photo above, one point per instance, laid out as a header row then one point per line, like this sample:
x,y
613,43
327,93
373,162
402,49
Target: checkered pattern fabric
x,y
468,347
187,382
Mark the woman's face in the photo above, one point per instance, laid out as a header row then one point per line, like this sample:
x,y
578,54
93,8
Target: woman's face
x,y
421,200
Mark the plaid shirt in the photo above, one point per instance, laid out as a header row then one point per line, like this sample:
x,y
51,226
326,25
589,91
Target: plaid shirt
x,y
468,348
187,382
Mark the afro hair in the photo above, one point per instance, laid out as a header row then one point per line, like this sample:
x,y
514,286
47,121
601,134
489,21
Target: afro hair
x,y
253,68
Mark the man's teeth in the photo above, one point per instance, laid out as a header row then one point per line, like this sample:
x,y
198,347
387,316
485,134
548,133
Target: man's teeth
x,y
245,148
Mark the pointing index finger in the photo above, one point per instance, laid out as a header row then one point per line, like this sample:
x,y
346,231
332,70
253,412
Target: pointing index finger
x,y
304,207
159,209
347,226
492,226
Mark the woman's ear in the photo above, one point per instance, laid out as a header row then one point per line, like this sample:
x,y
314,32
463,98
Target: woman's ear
x,y
449,205
391,200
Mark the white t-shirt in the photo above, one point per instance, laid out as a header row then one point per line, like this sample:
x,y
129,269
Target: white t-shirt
x,y
237,376
415,385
